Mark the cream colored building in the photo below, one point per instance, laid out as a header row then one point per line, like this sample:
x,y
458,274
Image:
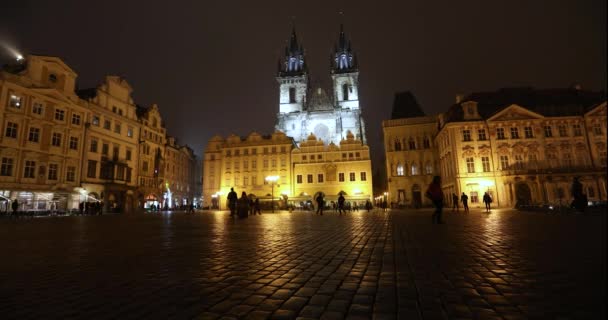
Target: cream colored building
x,y
59,147
524,146
151,166
42,138
111,149
411,159
331,170
244,164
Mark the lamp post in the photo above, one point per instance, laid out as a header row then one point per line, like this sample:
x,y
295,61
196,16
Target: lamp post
x,y
272,180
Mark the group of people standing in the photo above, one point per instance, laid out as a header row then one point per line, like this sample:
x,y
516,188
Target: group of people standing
x,y
244,206
435,194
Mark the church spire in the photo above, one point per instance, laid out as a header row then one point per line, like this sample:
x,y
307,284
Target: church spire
x,y
293,64
343,59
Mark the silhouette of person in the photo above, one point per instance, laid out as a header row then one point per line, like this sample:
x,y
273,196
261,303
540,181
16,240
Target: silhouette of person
x,y
243,205
465,202
580,199
256,206
15,206
455,202
434,193
232,199
368,205
341,201
320,204
487,200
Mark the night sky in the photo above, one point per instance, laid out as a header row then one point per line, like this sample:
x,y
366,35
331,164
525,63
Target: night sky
x,y
211,65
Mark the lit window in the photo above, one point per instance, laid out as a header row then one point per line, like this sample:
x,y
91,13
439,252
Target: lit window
x,y
400,171
428,169
14,101
415,169
130,132
485,163
96,121
504,162
470,165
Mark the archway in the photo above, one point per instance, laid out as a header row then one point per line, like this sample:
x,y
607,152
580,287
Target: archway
x,y
416,196
523,194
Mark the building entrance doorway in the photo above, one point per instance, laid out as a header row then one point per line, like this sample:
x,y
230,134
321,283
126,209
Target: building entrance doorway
x,y
416,196
523,195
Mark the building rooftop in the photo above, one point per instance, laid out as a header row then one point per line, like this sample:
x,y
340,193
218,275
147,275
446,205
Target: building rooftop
x,y
405,105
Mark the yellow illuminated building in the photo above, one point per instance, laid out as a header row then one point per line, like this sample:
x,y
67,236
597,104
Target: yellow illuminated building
x,y
522,146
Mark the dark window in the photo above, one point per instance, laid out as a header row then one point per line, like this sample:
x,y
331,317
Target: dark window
x,y
92,169
345,91
341,177
11,130
6,169
299,178
309,178
352,176
320,178
292,95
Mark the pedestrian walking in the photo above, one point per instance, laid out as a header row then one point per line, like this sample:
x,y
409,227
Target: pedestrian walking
x,y
320,204
487,200
15,207
454,202
256,206
465,202
435,194
251,206
232,200
368,205
341,204
580,199
243,206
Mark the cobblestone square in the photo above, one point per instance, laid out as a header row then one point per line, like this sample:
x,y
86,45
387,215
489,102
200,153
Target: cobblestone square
x,y
393,265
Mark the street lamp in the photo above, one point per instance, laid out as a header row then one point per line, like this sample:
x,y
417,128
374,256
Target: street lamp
x,y
272,180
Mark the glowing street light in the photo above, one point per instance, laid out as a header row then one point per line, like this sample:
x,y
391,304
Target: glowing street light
x,y
19,57
272,180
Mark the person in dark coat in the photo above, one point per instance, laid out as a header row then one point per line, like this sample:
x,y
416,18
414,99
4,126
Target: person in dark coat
x,y
487,200
256,206
435,194
580,199
232,200
243,206
320,204
15,207
341,201
465,202
454,202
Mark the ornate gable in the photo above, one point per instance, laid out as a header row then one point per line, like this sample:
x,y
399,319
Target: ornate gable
x,y
515,112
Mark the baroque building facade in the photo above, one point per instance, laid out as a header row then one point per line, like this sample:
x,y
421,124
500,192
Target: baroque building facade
x,y
523,146
321,139
60,147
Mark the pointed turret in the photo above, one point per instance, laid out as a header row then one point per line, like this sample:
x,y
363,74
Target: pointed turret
x,y
293,64
343,60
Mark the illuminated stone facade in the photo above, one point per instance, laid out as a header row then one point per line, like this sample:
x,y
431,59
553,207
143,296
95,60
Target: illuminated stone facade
x,y
522,146
61,147
303,172
304,110
244,164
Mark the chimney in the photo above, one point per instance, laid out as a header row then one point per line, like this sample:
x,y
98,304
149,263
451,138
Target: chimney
x,y
459,98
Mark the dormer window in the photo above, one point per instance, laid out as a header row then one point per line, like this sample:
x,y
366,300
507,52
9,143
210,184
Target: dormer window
x,y
53,78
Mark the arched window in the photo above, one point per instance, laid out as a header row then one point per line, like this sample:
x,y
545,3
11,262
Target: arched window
x,y
427,143
412,144
400,171
397,145
415,169
428,168
345,91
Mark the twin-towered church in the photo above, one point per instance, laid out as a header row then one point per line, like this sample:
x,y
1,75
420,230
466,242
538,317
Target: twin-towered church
x,y
319,143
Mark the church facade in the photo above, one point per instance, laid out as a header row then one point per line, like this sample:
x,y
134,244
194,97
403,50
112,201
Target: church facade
x,y
318,147
305,110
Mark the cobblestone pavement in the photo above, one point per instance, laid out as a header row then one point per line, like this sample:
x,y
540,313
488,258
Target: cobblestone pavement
x,y
395,265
